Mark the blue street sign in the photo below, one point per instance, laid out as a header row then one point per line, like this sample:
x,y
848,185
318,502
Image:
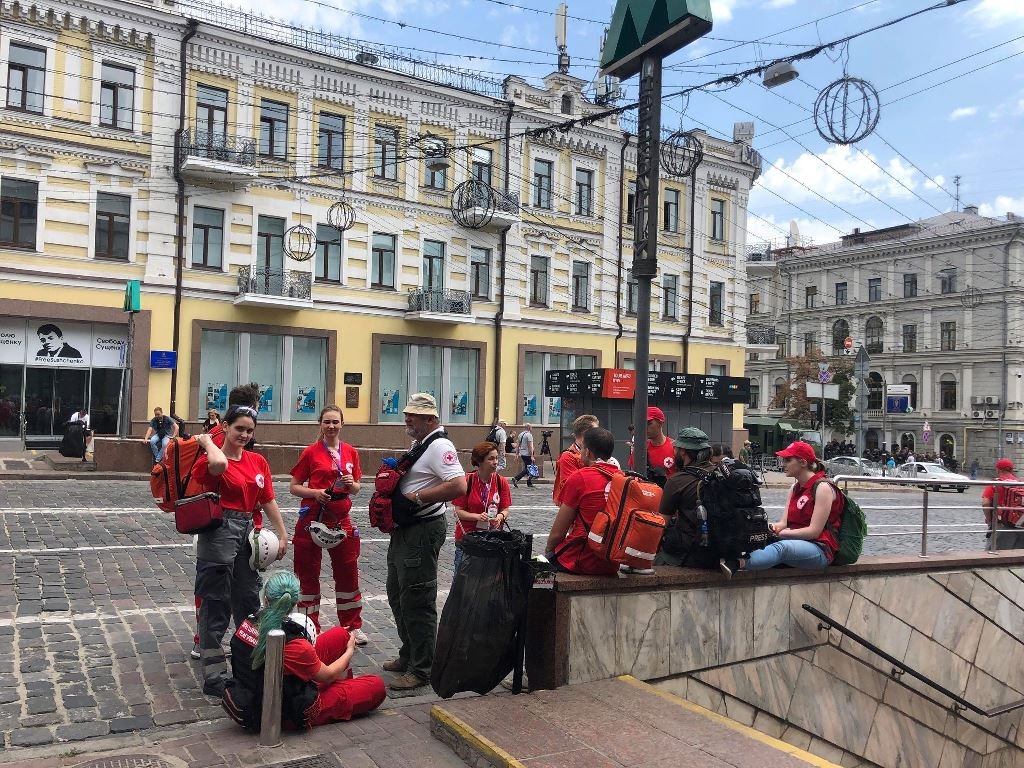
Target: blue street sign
x,y
163,358
897,404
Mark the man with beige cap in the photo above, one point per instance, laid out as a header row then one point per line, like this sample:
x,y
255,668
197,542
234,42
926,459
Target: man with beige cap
x,y
436,477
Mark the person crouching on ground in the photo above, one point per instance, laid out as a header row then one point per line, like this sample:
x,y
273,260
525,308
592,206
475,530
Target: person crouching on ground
x,y
319,686
583,496
487,500
807,531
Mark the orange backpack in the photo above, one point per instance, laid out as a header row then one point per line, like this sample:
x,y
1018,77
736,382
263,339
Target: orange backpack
x,y
171,479
628,530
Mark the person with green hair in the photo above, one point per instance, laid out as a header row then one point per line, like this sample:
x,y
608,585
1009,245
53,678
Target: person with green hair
x,y
319,686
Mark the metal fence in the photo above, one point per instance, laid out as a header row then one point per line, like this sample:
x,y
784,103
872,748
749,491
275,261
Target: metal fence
x,y
446,301
212,146
292,283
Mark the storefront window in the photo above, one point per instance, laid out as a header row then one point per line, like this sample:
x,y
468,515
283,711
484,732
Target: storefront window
x,y
218,370
447,373
394,381
309,377
463,382
538,409
428,371
265,366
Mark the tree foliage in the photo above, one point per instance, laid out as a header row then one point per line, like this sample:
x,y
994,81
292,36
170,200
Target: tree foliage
x,y
793,395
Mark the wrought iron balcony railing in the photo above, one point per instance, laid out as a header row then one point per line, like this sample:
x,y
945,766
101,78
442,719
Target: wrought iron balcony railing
x,y
261,281
761,334
445,301
215,146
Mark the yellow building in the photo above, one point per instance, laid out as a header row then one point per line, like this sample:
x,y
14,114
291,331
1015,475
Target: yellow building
x,y
334,223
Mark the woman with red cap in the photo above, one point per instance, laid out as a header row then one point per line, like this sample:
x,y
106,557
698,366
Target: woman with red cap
x,y
1008,515
807,531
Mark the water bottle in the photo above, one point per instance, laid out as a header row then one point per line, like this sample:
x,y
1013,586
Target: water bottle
x,y
702,514
492,511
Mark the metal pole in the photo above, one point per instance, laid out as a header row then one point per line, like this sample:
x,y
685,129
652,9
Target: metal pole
x,y
924,524
273,682
645,245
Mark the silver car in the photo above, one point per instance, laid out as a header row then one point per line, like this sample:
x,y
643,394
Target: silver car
x,y
926,470
852,465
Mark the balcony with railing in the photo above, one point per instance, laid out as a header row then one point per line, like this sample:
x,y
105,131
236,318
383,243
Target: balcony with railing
x,y
761,336
208,156
263,287
442,306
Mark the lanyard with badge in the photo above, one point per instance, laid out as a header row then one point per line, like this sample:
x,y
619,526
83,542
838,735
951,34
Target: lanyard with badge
x,y
338,488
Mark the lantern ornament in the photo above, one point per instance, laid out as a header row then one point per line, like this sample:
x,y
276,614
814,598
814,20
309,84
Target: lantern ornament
x,y
435,151
341,215
970,298
300,242
681,153
473,204
847,111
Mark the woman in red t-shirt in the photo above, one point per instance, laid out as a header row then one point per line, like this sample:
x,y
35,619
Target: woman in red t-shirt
x,y
225,583
325,477
487,500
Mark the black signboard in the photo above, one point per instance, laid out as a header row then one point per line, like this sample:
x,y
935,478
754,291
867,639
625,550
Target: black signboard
x,y
568,383
353,378
553,384
661,386
655,385
592,381
679,386
737,389
709,389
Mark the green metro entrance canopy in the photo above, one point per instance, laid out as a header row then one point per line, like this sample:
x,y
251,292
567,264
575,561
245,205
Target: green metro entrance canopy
x,y
659,27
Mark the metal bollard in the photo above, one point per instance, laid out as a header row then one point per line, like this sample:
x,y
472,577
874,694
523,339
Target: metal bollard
x,y
993,547
273,682
924,524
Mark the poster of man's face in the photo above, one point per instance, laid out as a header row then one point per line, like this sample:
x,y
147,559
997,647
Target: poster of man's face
x,y
52,344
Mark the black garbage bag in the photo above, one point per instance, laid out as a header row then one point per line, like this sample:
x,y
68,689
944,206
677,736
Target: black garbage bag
x,y
73,443
478,635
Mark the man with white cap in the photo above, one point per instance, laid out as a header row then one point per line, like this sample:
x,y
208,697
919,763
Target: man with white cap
x,y
436,477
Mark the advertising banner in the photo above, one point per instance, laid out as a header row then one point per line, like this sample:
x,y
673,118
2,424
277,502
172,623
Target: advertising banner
x,y
59,344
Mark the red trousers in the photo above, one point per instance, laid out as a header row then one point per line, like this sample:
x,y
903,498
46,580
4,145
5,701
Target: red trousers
x,y
343,699
344,565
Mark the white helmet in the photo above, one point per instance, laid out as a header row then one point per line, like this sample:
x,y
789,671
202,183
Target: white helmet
x,y
325,537
306,623
263,548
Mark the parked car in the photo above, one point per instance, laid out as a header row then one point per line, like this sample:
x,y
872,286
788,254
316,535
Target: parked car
x,y
928,471
852,465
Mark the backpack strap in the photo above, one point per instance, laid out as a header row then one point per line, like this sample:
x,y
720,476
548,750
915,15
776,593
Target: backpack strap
x,y
412,456
469,490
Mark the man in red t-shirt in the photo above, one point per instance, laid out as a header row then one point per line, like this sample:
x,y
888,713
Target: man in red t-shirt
x,y
660,453
1009,536
583,496
569,461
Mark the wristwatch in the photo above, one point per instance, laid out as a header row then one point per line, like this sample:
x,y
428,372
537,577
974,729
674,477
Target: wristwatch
x,y
416,495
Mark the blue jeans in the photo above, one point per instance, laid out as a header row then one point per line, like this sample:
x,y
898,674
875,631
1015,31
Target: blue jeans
x,y
795,552
157,445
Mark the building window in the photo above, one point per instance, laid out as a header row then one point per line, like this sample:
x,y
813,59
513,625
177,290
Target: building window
x,y
810,342
670,296
537,408
26,75
912,381
270,253
19,213
539,266
909,286
211,116
718,369
273,129
113,219
632,293
542,171
434,178
433,265
947,281
910,338
385,153
874,330
382,272
451,375
630,202
875,289
328,253
717,220
670,211
117,96
811,297
584,192
581,286
480,272
755,304
947,393
482,165
331,142
840,332
566,104
876,397
716,303
947,336
755,394
778,391
840,294
207,237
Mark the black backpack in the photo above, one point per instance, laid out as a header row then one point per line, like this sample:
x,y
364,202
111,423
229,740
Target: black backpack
x,y
510,443
492,436
732,521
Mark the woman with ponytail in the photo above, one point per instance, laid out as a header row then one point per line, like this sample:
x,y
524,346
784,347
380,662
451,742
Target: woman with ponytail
x,y
319,686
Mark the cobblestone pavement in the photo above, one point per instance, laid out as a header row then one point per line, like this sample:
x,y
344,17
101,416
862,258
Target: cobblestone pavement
x,y
96,615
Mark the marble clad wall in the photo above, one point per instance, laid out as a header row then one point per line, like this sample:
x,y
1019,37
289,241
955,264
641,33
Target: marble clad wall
x,y
750,651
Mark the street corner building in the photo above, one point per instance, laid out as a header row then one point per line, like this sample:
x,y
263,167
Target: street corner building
x,y
334,222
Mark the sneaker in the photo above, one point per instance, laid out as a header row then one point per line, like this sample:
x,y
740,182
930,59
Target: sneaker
x,y
195,652
214,688
408,682
395,665
515,481
360,636
636,571
729,567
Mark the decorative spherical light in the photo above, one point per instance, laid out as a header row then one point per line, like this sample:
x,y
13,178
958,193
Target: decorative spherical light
x,y
681,153
341,215
970,298
300,242
473,204
847,110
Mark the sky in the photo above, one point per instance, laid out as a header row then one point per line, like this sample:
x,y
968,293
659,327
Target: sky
x,y
962,119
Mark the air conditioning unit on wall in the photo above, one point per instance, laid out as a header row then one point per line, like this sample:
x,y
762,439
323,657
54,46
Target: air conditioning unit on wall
x,y
977,414
977,400
991,401
991,414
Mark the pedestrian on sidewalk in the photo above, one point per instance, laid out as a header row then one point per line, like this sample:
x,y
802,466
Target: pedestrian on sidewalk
x,y
486,504
525,451
326,477
319,686
437,477
225,582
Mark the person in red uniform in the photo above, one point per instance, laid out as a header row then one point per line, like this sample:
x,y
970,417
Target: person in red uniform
x,y
487,500
661,455
228,586
583,496
318,685
807,531
325,477
569,461
1009,536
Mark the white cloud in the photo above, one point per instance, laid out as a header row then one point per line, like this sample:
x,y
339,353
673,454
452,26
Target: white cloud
x,y
1002,205
766,228
721,10
961,112
994,13
772,4
935,182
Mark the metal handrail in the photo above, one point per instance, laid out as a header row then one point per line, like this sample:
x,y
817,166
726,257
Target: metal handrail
x,y
960,703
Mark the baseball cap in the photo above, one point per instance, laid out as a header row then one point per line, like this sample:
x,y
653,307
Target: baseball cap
x,y
691,439
654,413
798,449
1004,465
421,403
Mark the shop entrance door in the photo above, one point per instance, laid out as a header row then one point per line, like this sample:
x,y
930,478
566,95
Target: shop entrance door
x,y
10,407
51,396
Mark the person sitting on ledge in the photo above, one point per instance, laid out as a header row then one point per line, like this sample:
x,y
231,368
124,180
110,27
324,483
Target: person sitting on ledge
x,y
807,531
583,496
681,543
